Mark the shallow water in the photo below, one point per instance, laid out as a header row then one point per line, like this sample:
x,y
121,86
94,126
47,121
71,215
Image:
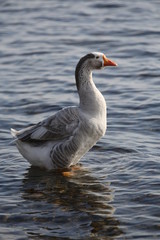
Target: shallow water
x,y
115,194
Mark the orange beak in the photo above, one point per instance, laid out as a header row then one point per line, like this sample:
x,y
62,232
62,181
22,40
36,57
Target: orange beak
x,y
108,62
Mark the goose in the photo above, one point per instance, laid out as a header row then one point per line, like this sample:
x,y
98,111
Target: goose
x,y
61,140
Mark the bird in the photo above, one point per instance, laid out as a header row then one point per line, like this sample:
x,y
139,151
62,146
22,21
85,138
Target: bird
x,y
61,140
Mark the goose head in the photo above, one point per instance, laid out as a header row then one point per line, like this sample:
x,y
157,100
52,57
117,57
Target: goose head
x,y
90,62
96,60
99,61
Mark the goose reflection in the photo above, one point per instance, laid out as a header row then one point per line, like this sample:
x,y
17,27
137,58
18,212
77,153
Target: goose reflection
x,y
70,207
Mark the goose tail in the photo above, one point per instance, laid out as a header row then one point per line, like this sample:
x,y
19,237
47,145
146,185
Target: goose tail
x,y
14,132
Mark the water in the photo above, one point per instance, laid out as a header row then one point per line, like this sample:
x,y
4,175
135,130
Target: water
x,y
115,194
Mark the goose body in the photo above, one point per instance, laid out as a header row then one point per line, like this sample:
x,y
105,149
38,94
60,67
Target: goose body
x,y
62,139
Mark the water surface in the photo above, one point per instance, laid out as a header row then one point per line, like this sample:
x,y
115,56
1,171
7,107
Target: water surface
x,y
115,194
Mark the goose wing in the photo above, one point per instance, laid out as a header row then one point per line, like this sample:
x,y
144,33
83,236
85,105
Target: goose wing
x,y
57,127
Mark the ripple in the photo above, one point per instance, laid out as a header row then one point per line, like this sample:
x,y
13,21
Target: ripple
x,y
108,5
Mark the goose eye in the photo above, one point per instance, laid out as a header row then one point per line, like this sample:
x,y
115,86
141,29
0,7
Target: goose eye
x,y
97,57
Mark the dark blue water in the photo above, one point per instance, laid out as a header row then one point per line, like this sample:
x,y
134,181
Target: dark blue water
x,y
116,192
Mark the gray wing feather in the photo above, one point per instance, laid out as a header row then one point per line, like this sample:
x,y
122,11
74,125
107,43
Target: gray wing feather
x,y
59,126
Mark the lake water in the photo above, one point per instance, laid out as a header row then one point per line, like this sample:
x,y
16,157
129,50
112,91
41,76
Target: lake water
x,y
116,192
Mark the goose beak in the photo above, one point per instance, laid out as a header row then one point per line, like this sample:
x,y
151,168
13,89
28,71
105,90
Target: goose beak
x,y
108,62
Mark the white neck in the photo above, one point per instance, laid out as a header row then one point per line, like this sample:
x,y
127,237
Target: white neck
x,y
91,100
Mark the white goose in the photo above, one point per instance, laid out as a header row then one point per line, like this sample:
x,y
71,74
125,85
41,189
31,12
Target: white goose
x,y
62,139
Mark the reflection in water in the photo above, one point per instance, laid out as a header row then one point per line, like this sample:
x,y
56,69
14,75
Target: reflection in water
x,y
66,207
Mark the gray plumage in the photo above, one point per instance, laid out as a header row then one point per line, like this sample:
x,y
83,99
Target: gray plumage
x,y
62,139
80,66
